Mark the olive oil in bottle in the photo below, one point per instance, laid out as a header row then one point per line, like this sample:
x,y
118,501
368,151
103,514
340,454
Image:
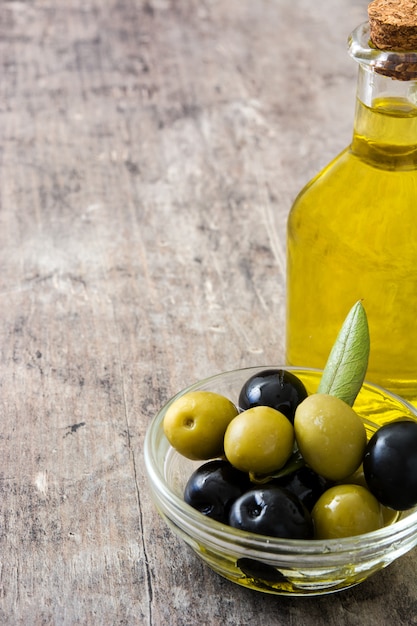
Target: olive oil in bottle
x,y
352,231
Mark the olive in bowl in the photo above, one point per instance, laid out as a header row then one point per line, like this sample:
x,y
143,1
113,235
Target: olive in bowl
x,y
214,486
277,388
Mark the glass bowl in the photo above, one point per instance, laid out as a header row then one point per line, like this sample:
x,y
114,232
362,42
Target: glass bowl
x,y
268,564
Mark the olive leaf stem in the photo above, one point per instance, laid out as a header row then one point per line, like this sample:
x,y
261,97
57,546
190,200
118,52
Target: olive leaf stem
x,y
294,463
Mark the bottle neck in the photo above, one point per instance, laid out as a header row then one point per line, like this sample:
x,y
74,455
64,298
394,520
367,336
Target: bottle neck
x,y
385,129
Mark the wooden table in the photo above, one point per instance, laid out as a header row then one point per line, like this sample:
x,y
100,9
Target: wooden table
x,y
150,151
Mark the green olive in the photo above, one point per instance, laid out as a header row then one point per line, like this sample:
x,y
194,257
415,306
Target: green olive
x,y
358,478
345,511
330,435
195,424
259,440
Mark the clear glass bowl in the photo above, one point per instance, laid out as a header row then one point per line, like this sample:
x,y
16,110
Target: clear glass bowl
x,y
267,564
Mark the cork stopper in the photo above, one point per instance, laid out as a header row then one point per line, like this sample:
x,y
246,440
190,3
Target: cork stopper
x,y
393,28
393,24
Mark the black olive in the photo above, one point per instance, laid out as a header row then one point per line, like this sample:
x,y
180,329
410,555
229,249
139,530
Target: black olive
x,y
276,388
306,484
271,511
213,487
390,464
261,572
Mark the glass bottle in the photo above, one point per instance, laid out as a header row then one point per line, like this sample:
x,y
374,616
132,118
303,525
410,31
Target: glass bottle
x,y
352,231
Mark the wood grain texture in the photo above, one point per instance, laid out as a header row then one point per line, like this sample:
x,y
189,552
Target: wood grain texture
x,y
149,155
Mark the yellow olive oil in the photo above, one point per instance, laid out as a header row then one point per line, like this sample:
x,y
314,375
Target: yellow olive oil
x,y
352,235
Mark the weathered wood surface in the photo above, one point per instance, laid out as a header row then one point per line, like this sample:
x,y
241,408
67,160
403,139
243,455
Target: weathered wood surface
x,y
149,155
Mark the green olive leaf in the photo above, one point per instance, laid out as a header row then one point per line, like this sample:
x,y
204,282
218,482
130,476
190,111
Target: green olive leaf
x,y
346,366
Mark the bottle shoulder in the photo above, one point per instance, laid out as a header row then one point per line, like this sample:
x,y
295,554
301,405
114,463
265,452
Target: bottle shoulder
x,y
349,183
328,172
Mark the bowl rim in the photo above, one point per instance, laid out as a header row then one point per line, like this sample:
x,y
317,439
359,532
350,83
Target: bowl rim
x,y
198,524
